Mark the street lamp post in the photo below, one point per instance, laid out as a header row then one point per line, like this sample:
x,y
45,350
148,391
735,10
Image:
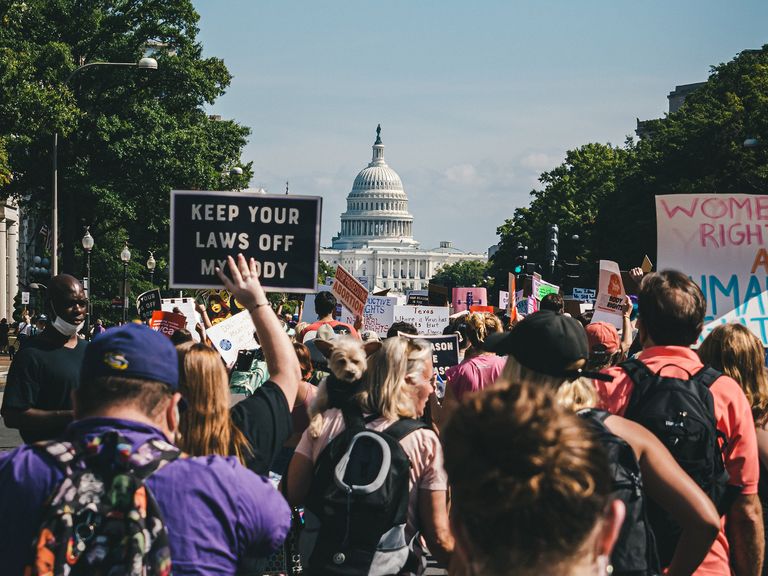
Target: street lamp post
x,y
143,64
151,264
125,256
88,243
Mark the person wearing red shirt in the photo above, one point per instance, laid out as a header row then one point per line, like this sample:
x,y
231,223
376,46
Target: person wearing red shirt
x,y
325,307
672,309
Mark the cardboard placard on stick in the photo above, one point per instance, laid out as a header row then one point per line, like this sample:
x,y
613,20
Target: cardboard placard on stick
x,y
349,291
166,322
445,353
282,234
611,296
427,319
232,335
147,303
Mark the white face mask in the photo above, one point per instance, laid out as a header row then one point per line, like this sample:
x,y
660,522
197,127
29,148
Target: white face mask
x,y
64,327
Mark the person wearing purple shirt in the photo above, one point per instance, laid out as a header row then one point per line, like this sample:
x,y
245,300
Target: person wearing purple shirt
x,y
215,511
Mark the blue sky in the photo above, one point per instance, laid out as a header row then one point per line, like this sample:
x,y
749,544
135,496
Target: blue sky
x,y
475,99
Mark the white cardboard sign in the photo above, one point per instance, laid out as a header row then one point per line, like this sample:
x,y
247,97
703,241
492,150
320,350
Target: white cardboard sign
x,y
233,334
427,319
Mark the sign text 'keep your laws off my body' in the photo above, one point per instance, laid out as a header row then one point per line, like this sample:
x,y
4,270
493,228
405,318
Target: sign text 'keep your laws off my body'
x,y
282,233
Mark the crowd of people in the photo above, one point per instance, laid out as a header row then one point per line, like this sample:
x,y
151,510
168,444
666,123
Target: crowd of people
x,y
559,446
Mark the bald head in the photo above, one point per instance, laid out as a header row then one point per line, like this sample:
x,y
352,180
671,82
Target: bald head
x,y
67,298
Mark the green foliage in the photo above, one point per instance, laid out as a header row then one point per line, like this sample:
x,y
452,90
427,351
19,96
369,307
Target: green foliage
x,y
127,137
325,271
571,197
464,273
698,149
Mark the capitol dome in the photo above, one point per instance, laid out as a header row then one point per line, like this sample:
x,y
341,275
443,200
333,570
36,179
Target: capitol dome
x,y
377,207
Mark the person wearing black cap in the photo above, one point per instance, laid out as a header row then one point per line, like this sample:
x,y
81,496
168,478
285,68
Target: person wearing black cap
x,y
551,350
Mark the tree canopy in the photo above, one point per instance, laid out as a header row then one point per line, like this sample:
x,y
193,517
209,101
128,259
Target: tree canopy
x,y
126,136
464,273
605,194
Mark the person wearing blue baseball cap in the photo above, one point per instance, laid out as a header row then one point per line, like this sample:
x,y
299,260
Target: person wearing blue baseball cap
x,y
214,510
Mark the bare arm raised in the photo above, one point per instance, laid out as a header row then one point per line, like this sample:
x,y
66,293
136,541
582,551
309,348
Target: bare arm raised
x,y
281,359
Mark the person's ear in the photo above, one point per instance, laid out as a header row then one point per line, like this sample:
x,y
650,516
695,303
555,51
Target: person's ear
x,y
611,526
172,415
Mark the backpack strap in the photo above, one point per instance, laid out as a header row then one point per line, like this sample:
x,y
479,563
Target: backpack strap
x,y
707,376
403,427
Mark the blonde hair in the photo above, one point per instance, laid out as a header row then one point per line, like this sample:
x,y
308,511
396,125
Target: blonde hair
x,y
480,325
570,394
529,482
385,391
735,351
206,425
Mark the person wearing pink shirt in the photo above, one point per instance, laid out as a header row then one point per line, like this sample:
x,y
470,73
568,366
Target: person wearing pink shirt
x,y
672,309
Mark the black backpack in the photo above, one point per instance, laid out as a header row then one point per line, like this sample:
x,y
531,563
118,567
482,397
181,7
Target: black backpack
x,y
360,495
681,413
102,519
635,550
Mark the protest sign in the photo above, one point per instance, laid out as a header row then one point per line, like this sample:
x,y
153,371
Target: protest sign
x,y
584,295
463,298
186,307
349,291
166,322
719,240
438,295
418,298
504,300
513,298
544,288
427,319
609,305
445,353
646,266
147,303
282,233
233,334
25,297
475,308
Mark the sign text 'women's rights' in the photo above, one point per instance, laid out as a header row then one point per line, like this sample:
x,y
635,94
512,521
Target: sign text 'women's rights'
x,y
282,233
721,242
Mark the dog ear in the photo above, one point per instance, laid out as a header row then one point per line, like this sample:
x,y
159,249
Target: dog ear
x,y
371,347
325,347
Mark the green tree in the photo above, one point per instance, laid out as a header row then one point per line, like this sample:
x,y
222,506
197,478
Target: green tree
x,y
126,136
698,149
464,273
571,197
324,271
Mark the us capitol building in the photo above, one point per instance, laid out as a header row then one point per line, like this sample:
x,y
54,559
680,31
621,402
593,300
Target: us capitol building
x,y
376,242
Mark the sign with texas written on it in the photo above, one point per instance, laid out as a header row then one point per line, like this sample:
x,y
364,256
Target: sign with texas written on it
x,y
166,322
147,303
233,334
609,305
282,233
721,242
427,319
445,353
349,291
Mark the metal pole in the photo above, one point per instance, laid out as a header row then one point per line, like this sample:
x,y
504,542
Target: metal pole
x,y
152,277
125,292
90,293
53,233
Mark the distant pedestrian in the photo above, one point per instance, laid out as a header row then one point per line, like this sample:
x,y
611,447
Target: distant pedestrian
x,y
4,332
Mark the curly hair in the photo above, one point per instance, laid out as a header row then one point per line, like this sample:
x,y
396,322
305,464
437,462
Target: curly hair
x,y
529,481
480,325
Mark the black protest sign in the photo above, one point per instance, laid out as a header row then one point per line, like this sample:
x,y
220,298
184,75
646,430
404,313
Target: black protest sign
x,y
282,234
437,295
417,300
147,303
445,350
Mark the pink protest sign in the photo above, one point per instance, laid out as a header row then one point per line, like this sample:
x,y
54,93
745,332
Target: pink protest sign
x,y
464,298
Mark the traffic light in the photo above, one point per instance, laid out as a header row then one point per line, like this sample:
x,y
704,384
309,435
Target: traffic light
x,y
552,242
521,259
